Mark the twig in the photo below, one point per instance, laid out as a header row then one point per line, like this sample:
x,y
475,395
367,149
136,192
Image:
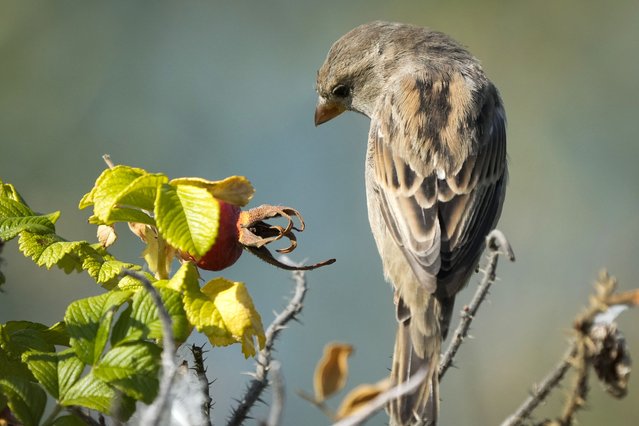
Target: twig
x,y
382,400
579,390
594,332
200,371
108,161
496,244
541,391
277,406
152,415
259,383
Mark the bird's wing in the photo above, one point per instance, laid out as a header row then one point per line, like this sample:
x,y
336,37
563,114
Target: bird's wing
x,y
438,151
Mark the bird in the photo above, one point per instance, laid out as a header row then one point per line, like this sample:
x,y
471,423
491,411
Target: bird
x,y
435,173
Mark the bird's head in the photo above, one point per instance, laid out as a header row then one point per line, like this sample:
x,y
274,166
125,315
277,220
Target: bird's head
x,y
353,73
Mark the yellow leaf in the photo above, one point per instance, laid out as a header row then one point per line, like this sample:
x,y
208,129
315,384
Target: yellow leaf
x,y
332,370
224,311
236,190
360,396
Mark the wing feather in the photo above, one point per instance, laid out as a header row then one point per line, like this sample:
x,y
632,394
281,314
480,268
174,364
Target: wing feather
x,y
438,209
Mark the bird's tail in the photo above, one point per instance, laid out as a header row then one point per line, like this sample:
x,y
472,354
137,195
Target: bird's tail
x,y
417,346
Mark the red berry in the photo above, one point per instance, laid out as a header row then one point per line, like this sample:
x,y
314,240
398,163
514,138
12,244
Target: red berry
x,y
226,249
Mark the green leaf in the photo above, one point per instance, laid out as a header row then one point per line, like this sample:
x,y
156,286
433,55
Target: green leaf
x,y
129,283
145,313
132,368
9,191
17,337
93,393
142,192
70,367
16,217
49,249
11,207
124,329
122,193
105,270
44,366
25,398
89,322
187,217
185,277
69,420
56,334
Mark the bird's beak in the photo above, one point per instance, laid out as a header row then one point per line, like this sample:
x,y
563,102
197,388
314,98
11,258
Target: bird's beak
x,y
326,110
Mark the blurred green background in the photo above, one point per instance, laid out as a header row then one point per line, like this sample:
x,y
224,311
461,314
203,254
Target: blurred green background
x,y
213,89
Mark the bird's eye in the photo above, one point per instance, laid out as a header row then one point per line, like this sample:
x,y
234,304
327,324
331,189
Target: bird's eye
x,y
341,91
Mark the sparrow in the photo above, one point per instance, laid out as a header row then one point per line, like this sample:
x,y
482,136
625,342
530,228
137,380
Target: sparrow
x,y
435,174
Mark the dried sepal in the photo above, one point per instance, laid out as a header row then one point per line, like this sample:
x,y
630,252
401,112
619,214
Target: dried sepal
x,y
610,358
256,234
332,370
106,235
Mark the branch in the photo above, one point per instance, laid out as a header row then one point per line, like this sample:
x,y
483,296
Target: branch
x,y
277,406
541,391
259,383
596,344
200,371
152,415
496,244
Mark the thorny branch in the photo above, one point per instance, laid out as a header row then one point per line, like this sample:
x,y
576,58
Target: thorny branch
x,y
596,344
277,405
496,244
260,381
198,366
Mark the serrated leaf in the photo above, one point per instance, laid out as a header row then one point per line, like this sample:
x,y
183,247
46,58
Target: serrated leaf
x,y
224,311
127,214
49,249
106,271
132,368
7,190
108,188
89,322
44,367
142,192
187,217
70,367
95,394
16,217
145,314
25,399
10,207
236,190
129,283
17,337
56,334
185,277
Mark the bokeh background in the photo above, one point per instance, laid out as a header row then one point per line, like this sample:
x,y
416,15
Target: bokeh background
x,y
218,88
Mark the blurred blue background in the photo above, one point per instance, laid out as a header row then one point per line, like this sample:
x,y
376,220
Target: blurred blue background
x,y
213,89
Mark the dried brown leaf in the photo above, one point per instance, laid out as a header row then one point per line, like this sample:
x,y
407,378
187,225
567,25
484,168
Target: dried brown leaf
x,y
360,396
332,370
